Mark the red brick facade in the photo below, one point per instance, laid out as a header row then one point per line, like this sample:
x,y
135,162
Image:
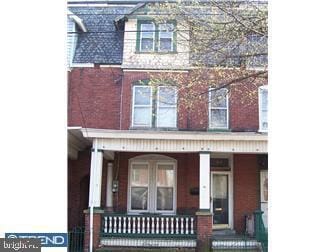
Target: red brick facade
x,y
96,231
94,97
246,188
101,97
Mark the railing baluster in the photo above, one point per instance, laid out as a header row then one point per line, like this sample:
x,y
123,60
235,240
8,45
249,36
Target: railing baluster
x,y
191,225
110,226
153,230
167,225
115,225
133,225
148,225
119,225
162,227
157,225
187,230
124,227
129,225
177,226
143,225
138,225
105,224
182,231
172,225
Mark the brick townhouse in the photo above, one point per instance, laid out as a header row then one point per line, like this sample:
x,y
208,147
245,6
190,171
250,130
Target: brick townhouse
x,y
155,174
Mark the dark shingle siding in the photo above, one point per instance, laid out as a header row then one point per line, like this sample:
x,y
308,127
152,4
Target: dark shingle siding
x,y
102,44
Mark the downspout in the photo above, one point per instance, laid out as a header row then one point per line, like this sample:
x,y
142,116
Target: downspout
x,y
92,193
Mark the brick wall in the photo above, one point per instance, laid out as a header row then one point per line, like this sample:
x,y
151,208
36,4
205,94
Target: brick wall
x,y
78,176
246,188
102,98
94,97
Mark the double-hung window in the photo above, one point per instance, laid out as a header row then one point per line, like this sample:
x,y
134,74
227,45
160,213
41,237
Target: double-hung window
x,y
263,109
218,109
142,106
166,37
147,37
152,186
154,111
139,186
154,37
166,107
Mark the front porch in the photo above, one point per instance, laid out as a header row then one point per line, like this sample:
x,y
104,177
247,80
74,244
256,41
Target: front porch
x,y
169,193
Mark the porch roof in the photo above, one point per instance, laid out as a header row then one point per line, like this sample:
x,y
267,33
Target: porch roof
x,y
177,141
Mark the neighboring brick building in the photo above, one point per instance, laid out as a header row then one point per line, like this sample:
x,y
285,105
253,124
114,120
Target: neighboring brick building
x,y
150,167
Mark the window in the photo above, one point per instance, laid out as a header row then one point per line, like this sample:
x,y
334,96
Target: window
x,y
142,106
152,186
147,37
152,37
166,107
166,37
256,46
165,187
159,111
263,108
218,109
139,186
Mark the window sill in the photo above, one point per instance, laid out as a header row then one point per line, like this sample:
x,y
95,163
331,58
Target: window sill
x,y
219,130
154,128
157,52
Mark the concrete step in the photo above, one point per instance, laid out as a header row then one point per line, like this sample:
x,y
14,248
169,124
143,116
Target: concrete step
x,y
236,244
223,232
126,249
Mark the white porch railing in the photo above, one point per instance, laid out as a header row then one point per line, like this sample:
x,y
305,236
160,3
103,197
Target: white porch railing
x,y
146,225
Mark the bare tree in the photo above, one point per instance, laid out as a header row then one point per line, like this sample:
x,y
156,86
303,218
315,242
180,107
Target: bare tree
x,y
226,41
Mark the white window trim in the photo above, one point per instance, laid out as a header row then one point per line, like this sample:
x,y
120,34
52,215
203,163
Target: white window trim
x,y
260,107
227,110
152,161
129,187
153,48
165,106
174,189
143,106
172,41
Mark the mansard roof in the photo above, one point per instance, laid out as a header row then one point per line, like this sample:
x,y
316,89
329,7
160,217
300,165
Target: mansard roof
x,y
102,43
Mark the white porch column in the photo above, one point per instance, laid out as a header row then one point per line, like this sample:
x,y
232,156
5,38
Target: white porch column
x,y
109,195
95,175
204,183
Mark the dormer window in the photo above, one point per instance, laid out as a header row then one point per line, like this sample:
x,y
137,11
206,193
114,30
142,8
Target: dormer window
x,y
147,37
153,37
166,37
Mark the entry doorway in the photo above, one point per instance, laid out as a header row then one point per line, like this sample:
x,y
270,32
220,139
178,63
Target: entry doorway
x,y
221,199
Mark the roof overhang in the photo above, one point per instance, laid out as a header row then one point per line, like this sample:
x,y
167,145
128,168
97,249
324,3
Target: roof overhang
x,y
76,142
177,141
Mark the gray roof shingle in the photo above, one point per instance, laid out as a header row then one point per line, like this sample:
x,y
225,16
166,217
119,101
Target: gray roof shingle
x,y
102,43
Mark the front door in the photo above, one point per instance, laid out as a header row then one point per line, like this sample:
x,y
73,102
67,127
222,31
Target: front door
x,y
220,199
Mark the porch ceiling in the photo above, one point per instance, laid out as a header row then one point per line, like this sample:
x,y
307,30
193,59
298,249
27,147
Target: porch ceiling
x,y
76,142
177,141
